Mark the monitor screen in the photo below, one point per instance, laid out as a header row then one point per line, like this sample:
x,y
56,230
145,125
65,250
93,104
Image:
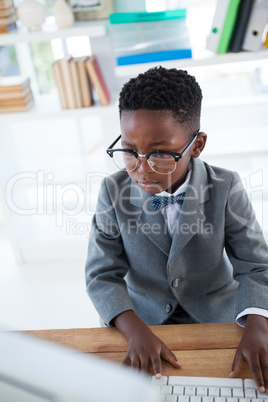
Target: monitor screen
x,y
34,370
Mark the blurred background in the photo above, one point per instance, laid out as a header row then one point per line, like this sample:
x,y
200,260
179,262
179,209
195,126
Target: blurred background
x,y
53,160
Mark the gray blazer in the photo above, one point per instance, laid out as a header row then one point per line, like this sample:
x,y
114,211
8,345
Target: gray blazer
x,y
215,266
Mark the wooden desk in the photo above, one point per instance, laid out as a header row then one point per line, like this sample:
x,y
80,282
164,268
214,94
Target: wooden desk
x,y
202,349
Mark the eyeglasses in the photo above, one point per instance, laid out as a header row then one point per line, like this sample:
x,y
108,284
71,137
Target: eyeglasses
x,y
162,162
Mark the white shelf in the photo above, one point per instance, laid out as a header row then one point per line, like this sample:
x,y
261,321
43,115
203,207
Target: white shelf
x,y
212,60
48,107
51,31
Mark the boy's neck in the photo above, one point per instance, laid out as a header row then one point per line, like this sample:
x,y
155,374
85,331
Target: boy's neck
x,y
175,187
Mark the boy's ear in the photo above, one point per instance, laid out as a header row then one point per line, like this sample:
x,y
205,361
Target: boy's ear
x,y
199,144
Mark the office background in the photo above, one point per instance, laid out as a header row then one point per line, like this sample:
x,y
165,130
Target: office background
x,y
42,255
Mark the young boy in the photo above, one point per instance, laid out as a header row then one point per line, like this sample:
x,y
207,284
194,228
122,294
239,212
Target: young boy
x,y
195,256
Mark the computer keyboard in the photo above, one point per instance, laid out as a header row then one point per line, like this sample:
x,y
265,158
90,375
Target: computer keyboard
x,y
205,389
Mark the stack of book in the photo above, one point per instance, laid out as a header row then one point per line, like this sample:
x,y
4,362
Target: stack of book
x,y
7,16
146,37
80,82
238,25
15,94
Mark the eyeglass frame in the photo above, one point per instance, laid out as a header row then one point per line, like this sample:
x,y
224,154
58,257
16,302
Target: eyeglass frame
x,y
177,155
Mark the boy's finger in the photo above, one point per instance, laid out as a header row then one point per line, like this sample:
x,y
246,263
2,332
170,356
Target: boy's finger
x,y
135,362
126,361
255,367
236,366
170,357
145,364
264,365
157,366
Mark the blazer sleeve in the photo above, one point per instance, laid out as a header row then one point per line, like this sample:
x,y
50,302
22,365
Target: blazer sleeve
x,y
246,248
107,263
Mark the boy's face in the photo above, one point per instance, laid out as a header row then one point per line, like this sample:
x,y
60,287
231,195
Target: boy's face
x,y
145,131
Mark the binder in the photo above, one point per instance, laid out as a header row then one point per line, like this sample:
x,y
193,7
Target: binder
x,y
217,25
256,26
228,26
266,41
123,18
154,57
239,31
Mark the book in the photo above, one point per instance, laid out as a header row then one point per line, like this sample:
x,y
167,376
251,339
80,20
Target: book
x,y
5,4
66,78
76,82
85,85
6,12
240,27
8,20
60,84
256,26
14,83
228,26
15,94
154,56
17,108
8,28
217,25
97,80
17,101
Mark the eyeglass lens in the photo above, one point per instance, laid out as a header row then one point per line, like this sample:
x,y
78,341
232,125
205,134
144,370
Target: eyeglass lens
x,y
160,163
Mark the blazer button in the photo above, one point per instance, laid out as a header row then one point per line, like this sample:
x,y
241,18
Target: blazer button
x,y
175,282
168,308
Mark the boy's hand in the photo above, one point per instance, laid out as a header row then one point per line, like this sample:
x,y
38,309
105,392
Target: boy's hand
x,y
145,350
254,349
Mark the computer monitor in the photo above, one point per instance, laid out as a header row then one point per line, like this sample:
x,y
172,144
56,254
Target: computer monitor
x,y
34,370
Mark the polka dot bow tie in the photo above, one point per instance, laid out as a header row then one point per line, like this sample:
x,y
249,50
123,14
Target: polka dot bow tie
x,y
160,201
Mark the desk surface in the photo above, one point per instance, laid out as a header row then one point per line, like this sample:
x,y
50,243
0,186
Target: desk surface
x,y
205,350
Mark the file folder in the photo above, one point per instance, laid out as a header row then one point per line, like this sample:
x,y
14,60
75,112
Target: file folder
x,y
228,26
256,26
217,25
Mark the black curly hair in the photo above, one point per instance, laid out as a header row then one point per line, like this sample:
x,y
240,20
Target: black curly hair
x,y
170,91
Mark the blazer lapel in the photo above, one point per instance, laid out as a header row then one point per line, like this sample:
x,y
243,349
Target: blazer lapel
x,y
191,217
151,222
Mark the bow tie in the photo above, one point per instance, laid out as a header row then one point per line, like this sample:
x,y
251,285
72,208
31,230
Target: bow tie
x,y
160,201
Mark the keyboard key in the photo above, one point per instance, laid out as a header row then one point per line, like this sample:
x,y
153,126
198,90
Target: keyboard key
x,y
160,381
166,389
238,393
189,390
202,391
219,399
207,399
195,399
250,393
231,399
171,398
178,390
226,392
183,398
213,391
249,383
261,395
206,381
